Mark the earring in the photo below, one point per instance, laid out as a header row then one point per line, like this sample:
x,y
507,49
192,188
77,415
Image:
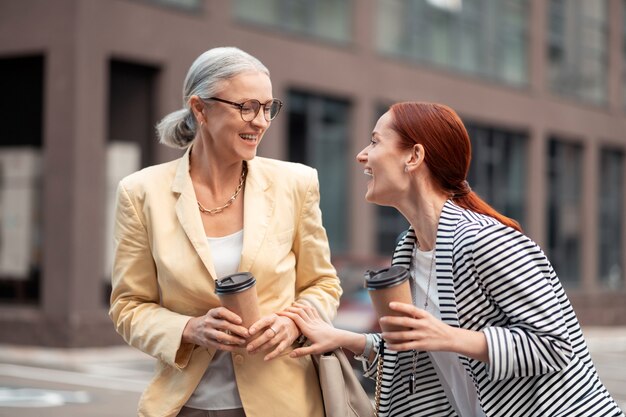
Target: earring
x,y
406,168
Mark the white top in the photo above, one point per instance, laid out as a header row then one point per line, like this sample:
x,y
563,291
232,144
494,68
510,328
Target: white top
x,y
217,389
457,384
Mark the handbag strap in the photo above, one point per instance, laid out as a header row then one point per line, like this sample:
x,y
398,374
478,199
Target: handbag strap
x,y
379,375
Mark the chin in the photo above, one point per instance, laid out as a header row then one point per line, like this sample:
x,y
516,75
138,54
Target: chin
x,y
371,198
378,200
247,156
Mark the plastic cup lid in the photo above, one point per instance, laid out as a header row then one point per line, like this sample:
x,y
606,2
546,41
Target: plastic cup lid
x,y
385,278
234,283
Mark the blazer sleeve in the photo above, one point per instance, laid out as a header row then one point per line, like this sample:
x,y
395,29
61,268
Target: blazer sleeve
x,y
135,308
315,275
518,277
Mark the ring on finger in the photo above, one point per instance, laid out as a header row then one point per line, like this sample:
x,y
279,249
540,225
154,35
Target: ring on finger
x,y
272,329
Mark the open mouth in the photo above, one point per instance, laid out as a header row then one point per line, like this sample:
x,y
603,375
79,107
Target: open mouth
x,y
249,138
368,172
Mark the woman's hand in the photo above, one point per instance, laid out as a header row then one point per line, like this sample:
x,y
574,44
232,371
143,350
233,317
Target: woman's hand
x,y
219,328
322,336
427,333
280,333
424,331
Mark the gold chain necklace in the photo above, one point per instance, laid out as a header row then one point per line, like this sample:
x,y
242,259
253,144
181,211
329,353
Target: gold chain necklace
x,y
413,378
242,180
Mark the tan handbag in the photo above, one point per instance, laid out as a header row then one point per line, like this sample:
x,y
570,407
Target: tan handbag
x,y
342,392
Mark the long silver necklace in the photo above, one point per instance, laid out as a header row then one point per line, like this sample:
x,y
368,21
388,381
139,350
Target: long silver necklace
x,y
413,377
242,180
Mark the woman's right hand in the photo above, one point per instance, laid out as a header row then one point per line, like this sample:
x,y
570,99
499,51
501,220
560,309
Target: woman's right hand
x,y
219,328
322,335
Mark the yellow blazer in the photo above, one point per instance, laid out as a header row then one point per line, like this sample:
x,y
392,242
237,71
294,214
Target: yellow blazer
x,y
163,275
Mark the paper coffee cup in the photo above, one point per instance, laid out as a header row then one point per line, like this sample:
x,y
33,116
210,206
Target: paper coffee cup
x,y
237,292
387,285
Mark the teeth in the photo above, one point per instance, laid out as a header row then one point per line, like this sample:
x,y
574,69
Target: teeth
x,y
248,137
368,172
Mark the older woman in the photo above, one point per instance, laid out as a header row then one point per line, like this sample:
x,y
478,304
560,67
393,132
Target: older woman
x,y
490,331
218,210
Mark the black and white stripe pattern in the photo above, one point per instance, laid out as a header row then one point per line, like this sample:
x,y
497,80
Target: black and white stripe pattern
x,y
494,279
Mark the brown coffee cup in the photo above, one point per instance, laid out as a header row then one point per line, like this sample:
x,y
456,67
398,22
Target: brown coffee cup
x,y
237,292
387,285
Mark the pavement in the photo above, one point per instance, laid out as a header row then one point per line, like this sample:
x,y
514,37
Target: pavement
x,y
107,382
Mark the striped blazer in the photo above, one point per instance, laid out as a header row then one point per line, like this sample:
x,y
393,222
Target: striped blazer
x,y
494,279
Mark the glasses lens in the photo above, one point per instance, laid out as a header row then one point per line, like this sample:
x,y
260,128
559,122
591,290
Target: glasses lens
x,y
272,109
249,109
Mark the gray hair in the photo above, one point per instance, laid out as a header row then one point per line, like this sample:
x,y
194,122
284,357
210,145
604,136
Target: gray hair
x,y
178,129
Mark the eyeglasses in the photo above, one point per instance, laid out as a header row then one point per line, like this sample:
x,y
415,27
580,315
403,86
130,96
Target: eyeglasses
x,y
250,108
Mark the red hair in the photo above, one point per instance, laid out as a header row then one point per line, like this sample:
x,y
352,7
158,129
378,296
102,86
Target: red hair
x,y
448,151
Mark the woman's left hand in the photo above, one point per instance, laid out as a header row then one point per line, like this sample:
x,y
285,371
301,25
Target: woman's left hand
x,y
424,331
280,333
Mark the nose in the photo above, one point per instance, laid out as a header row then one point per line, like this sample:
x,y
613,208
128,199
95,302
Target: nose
x,y
259,119
361,157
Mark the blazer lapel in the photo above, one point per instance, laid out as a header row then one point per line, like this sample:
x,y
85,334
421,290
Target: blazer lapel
x,y
258,206
188,214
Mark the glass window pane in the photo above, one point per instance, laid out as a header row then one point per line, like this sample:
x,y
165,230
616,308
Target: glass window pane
x,y
497,170
497,174
610,218
325,19
318,136
191,5
487,38
564,209
624,53
577,49
21,228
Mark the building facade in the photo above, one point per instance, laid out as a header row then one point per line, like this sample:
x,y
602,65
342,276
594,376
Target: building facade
x,y
540,84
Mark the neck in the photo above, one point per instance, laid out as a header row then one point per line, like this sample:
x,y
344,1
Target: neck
x,y
423,214
216,174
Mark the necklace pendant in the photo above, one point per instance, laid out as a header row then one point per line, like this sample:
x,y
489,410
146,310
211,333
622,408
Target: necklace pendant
x,y
412,384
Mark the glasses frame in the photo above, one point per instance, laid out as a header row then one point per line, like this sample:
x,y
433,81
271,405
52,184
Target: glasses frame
x,y
241,105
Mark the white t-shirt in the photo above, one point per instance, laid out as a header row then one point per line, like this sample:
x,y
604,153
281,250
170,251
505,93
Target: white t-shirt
x,y
217,389
457,384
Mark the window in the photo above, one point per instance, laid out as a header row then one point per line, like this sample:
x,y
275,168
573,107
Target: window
x,y
22,86
497,175
318,136
611,218
624,53
131,137
578,49
564,209
188,5
324,19
497,170
486,38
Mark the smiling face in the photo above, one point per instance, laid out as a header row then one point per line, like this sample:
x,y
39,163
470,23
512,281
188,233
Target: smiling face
x,y
225,133
384,162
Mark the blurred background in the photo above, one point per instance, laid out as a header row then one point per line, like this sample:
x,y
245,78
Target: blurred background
x,y
540,85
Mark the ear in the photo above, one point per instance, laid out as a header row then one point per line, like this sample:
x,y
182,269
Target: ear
x,y
197,108
414,158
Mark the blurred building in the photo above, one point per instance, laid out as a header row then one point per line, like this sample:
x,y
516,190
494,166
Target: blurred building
x,y
541,85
